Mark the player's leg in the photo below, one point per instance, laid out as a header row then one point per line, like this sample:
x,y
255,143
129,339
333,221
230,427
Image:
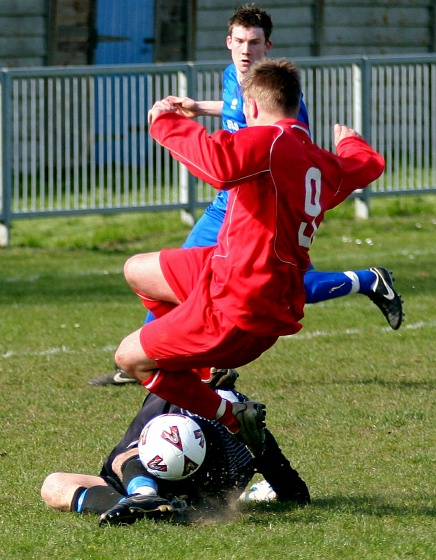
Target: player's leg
x,y
182,388
176,349
376,283
322,286
67,491
246,420
203,234
142,493
132,358
206,229
144,275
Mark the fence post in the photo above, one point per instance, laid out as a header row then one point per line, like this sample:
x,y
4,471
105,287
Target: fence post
x,y
5,159
184,179
361,202
193,94
188,87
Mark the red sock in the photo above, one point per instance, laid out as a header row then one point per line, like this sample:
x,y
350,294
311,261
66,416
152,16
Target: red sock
x,y
186,390
157,307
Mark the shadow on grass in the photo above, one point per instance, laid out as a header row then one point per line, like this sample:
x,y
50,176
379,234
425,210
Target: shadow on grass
x,y
400,384
370,506
48,289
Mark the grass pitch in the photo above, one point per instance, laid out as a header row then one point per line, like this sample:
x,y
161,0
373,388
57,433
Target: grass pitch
x,y
351,402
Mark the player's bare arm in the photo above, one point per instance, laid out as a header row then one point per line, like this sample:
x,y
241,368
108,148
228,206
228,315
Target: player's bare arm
x,y
190,108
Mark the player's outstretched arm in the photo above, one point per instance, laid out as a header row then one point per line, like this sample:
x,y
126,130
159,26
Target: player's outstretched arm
x,y
190,108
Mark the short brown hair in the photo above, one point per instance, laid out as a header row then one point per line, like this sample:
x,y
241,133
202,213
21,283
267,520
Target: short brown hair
x,y
250,15
275,84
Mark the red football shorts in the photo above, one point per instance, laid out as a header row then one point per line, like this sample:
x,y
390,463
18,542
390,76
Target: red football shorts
x,y
196,333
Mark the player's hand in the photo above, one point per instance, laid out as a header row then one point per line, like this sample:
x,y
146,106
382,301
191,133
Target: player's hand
x,y
184,106
341,131
159,108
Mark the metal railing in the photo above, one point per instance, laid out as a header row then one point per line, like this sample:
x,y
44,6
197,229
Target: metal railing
x,y
75,139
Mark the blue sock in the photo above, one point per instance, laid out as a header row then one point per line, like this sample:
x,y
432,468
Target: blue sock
x,y
366,280
322,286
96,499
140,481
79,503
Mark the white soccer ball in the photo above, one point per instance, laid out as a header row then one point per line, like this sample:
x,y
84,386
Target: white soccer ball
x,y
172,446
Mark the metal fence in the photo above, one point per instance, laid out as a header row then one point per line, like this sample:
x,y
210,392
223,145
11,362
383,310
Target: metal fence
x,y
75,139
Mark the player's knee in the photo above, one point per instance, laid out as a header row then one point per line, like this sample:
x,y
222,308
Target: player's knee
x,y
123,358
139,267
130,267
50,489
120,358
129,352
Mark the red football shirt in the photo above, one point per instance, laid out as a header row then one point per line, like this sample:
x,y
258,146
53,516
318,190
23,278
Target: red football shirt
x,y
281,185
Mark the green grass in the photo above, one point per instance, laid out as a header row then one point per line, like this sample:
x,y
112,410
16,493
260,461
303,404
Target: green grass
x,y
351,402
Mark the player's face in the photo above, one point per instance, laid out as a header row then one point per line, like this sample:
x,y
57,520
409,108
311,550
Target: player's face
x,y
247,46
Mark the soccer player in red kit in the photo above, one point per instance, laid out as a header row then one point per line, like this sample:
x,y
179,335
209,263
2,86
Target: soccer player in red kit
x,y
223,306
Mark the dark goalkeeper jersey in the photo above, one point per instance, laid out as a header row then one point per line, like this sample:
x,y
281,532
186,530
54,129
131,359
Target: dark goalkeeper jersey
x,y
228,464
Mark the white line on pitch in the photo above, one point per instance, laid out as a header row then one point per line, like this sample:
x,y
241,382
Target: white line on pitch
x,y
307,335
